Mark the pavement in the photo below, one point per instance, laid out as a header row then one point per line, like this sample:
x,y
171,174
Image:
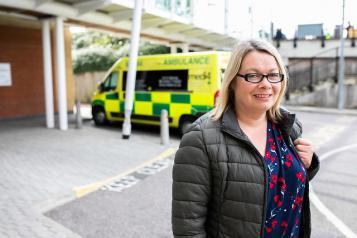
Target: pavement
x,y
41,168
46,176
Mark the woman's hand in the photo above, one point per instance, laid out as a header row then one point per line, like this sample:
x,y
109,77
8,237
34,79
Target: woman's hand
x,y
305,151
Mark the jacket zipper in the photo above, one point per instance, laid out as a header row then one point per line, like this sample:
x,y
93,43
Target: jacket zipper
x,y
265,180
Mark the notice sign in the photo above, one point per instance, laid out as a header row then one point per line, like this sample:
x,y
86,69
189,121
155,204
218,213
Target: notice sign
x,y
5,74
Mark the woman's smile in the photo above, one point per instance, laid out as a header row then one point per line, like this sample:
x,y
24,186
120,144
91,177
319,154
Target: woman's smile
x,y
263,96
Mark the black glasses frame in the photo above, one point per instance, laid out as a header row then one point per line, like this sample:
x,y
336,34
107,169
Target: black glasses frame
x,y
246,76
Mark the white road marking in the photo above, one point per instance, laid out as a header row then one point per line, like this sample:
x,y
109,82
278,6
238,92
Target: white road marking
x,y
335,151
84,190
323,209
318,138
330,216
324,134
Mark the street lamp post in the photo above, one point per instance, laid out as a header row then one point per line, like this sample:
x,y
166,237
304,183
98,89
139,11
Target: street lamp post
x,y
341,68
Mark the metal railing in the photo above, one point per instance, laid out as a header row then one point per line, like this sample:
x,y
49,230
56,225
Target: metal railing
x,y
306,73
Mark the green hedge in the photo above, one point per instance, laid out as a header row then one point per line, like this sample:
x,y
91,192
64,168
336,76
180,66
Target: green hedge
x,y
98,51
153,49
93,59
101,59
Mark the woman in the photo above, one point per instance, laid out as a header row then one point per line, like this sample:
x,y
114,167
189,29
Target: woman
x,y
243,170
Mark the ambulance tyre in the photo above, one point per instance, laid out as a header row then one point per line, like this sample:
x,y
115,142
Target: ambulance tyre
x,y
98,114
185,123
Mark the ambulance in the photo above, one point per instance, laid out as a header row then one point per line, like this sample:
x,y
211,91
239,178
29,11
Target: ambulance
x,y
186,85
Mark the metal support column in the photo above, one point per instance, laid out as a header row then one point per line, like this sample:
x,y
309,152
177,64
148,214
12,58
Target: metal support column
x,y
130,83
341,68
311,83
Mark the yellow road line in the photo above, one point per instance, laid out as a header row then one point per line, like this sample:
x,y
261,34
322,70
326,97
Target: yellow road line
x,y
84,190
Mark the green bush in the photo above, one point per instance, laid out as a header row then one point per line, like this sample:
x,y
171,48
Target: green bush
x,y
96,51
152,49
97,39
93,59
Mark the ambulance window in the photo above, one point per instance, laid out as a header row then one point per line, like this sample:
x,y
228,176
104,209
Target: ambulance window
x,y
114,80
160,80
111,82
168,80
107,82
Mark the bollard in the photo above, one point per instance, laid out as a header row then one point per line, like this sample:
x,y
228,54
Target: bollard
x,y
78,115
164,127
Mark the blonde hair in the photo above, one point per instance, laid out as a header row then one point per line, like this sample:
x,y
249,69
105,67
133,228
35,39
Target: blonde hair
x,y
226,97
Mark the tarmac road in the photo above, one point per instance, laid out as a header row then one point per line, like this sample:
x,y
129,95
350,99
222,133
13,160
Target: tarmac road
x,y
40,167
141,207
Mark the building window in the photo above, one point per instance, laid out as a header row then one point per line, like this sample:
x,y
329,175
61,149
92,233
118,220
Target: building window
x,y
183,8
163,4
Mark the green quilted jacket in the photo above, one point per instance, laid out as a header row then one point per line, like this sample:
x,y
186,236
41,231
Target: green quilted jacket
x,y
220,181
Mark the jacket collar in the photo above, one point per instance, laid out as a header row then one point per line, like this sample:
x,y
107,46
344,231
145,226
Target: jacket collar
x,y
287,121
230,124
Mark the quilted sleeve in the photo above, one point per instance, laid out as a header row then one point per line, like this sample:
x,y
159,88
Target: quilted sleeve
x,y
191,188
314,167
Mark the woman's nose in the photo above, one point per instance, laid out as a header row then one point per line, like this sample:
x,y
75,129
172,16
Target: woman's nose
x,y
265,83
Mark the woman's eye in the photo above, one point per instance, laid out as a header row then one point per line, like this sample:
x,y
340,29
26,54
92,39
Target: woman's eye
x,y
252,76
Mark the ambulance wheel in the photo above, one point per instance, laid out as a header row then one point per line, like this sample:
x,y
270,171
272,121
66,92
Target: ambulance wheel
x,y
98,114
185,123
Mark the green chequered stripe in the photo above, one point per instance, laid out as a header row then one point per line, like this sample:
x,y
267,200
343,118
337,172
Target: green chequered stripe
x,y
157,107
98,103
145,97
180,98
199,109
122,107
112,96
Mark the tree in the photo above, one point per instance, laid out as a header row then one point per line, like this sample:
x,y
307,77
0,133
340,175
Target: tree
x,y
93,39
93,59
153,49
98,51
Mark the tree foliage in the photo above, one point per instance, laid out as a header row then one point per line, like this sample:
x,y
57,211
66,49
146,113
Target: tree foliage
x,y
153,49
98,51
96,39
93,59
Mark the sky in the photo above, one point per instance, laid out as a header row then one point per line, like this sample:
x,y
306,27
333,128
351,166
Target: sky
x,y
287,14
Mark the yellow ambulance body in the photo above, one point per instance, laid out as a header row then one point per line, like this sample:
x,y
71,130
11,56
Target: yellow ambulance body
x,y
185,84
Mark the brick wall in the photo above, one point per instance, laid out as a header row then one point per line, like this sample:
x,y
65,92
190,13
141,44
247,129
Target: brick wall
x,y
22,48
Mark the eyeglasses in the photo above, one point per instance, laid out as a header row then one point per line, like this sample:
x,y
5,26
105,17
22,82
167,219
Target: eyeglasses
x,y
257,78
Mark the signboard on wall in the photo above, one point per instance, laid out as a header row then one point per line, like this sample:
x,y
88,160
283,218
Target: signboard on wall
x,y
5,74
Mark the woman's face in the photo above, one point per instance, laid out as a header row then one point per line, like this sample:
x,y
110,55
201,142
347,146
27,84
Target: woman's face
x,y
256,97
